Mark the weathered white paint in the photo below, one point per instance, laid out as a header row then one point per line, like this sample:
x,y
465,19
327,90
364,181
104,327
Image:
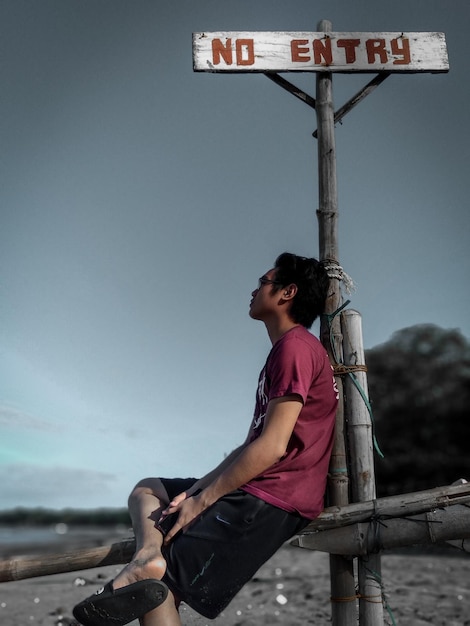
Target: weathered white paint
x,y
319,51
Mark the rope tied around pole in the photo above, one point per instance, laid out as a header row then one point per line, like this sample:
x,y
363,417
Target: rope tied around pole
x,y
342,370
378,520
346,599
378,599
334,270
374,599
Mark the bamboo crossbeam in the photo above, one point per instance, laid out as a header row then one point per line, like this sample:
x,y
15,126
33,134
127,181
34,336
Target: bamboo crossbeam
x,y
391,506
295,91
367,538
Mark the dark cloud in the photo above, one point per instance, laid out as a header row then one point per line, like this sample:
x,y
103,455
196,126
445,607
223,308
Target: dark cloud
x,y
19,420
53,487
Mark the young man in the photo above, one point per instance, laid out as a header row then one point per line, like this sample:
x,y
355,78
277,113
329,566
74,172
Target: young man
x,y
199,541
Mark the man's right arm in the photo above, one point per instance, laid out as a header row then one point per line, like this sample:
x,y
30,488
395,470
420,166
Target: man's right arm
x,y
209,478
212,475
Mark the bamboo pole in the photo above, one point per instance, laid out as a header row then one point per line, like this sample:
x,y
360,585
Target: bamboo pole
x,y
356,412
366,538
341,569
361,462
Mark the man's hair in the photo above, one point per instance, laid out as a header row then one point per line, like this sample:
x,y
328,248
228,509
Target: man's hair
x,y
312,283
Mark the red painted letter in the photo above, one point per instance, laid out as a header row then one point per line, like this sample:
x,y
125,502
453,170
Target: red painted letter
x,y
322,48
248,45
403,51
376,47
219,50
349,46
297,49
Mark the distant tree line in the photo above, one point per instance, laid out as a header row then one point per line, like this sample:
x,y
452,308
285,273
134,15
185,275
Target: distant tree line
x,y
71,517
419,386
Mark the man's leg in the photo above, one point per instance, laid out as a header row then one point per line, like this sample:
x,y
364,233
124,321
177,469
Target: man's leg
x,y
165,615
146,502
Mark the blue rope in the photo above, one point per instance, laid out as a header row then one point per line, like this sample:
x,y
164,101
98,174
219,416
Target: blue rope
x,y
369,409
378,578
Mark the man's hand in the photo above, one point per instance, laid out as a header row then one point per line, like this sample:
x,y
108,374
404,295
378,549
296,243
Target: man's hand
x,y
188,507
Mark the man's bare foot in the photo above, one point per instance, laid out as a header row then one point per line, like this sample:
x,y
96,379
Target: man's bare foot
x,y
142,567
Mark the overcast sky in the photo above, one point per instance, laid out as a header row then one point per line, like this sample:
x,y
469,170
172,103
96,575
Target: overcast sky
x,y
141,201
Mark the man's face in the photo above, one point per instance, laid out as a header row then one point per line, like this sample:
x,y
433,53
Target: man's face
x,y
264,302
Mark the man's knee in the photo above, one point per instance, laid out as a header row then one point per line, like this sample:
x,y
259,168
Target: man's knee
x,y
148,486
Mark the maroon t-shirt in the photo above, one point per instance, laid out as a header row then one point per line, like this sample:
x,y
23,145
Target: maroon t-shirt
x,y
298,364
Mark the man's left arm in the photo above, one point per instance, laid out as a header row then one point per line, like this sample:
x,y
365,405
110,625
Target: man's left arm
x,y
255,458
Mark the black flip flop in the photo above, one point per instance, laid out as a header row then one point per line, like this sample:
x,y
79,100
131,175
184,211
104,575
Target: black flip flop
x,y
109,607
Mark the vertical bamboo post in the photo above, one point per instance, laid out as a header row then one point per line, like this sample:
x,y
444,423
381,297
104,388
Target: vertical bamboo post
x,y
361,461
341,568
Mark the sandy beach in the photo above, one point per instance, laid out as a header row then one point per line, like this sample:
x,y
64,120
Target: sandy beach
x,y
291,588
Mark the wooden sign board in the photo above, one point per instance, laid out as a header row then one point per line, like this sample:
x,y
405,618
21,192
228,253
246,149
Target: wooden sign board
x,y
319,52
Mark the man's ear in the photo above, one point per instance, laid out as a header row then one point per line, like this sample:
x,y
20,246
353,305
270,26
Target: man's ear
x,y
289,291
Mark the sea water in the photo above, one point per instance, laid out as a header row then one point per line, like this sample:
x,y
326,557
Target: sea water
x,y
21,535
31,539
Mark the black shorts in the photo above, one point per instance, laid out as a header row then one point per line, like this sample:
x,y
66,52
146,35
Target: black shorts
x,y
221,551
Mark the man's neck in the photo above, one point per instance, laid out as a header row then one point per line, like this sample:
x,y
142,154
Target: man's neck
x,y
278,327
